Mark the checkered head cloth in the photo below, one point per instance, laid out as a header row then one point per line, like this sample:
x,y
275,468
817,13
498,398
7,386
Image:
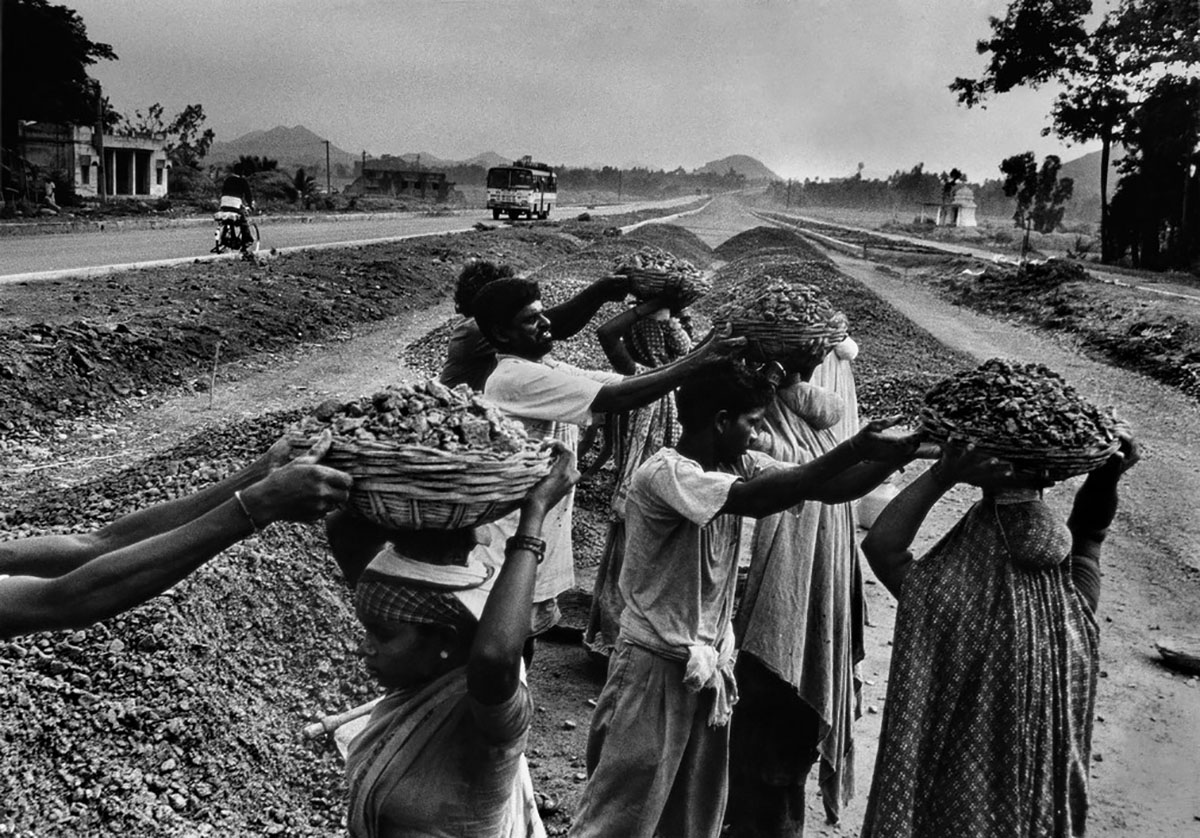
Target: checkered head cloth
x,y
377,600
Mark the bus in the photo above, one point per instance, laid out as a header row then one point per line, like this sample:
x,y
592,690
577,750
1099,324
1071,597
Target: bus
x,y
523,189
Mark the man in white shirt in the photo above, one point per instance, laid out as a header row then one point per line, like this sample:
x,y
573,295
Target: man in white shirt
x,y
554,399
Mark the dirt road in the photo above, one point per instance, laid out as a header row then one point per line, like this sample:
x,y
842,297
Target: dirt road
x,y
1147,734
1146,779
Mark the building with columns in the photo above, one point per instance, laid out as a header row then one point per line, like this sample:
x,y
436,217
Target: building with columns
x,y
133,167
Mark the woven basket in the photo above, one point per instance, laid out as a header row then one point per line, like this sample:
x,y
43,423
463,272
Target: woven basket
x,y
405,486
646,285
777,340
1058,463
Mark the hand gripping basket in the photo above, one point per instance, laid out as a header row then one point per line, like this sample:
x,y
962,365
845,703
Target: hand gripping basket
x,y
783,320
1023,413
406,486
653,271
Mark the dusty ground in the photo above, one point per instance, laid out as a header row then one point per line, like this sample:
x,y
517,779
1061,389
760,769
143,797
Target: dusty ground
x,y
1146,783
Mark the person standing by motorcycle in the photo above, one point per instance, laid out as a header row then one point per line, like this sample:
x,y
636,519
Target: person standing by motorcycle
x,y
236,196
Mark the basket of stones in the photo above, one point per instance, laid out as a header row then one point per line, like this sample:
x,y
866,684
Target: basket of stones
x,y
1024,413
653,272
424,456
784,321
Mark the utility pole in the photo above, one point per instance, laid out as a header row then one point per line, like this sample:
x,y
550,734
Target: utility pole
x,y
618,184
789,194
328,190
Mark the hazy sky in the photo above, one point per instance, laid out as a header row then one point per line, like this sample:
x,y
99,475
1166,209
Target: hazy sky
x,y
810,87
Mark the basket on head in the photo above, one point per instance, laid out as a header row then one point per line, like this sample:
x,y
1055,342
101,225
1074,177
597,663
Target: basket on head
x,y
653,271
424,456
784,321
1024,413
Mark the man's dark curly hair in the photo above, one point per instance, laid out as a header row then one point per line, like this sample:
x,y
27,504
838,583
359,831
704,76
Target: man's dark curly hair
x,y
500,301
474,276
730,385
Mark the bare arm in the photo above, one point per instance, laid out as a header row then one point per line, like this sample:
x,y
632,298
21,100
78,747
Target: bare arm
x,y
636,391
126,577
568,318
780,489
53,555
494,665
857,481
890,537
611,336
887,544
1093,511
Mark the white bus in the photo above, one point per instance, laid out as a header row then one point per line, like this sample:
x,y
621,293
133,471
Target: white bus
x,y
523,189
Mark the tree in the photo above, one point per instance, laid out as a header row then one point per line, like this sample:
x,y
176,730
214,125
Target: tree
x,y
186,142
249,164
1104,73
1040,193
306,186
1159,222
951,180
45,52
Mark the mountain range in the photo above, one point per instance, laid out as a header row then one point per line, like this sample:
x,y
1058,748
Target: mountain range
x,y
292,147
299,147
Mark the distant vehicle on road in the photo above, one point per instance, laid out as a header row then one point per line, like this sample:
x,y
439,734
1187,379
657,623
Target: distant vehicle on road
x,y
234,233
523,189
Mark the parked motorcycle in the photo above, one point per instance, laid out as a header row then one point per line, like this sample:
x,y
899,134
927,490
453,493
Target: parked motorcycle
x,y
230,235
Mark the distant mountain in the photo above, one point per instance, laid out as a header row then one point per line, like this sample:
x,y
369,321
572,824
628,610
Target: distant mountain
x,y
429,161
292,147
488,159
742,164
1085,171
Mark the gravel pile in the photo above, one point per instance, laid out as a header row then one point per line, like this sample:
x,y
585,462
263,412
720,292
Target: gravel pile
x,y
181,717
743,274
759,239
70,347
677,240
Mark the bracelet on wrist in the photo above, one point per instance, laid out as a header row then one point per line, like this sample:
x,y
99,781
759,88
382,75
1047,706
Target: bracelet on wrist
x,y
534,545
246,511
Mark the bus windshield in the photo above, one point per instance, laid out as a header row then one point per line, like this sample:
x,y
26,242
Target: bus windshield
x,y
509,178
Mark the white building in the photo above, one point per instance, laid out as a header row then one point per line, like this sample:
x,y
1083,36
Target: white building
x,y
134,167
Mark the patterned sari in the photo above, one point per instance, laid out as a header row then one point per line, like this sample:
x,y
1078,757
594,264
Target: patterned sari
x,y
988,720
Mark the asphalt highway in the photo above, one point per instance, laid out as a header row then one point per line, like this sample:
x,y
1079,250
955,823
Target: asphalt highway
x,y
52,255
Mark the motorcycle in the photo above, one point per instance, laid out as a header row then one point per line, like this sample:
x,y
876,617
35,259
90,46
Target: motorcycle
x,y
229,234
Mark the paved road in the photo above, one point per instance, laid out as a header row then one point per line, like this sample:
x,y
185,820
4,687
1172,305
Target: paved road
x,y
22,255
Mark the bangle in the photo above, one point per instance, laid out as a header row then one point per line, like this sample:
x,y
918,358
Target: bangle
x,y
238,497
526,542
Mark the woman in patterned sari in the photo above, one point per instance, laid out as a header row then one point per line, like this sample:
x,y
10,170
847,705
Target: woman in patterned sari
x,y
645,336
988,719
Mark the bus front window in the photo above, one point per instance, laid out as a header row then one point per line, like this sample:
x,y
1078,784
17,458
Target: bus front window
x,y
497,179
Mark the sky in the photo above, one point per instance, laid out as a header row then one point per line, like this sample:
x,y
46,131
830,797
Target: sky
x,y
811,88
